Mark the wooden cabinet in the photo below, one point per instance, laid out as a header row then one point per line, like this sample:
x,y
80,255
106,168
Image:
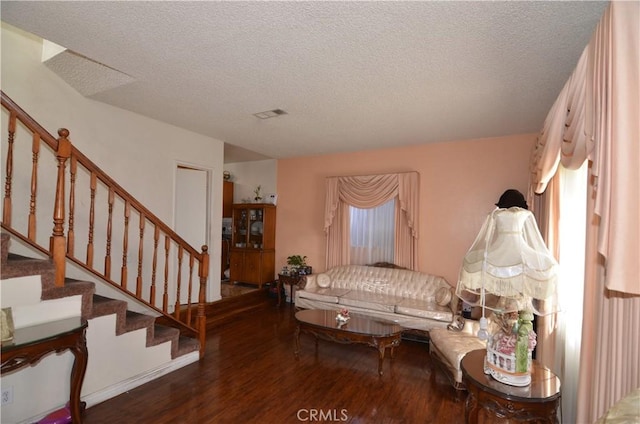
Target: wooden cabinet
x,y
227,199
254,267
253,240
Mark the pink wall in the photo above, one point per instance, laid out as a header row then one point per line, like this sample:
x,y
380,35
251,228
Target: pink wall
x,y
459,184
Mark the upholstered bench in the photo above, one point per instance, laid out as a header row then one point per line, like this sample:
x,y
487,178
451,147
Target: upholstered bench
x,y
624,411
448,347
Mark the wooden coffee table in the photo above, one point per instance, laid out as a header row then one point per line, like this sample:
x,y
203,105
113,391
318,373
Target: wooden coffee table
x,y
359,329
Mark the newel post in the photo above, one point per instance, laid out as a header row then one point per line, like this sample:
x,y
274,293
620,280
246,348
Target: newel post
x,y
203,273
58,242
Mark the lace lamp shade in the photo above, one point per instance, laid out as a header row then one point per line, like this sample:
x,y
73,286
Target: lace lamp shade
x,y
508,267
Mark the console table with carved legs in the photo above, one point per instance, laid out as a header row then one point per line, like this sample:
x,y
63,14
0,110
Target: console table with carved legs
x,y
30,344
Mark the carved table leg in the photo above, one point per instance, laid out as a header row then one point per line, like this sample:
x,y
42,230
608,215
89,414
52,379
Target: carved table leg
x,y
78,371
471,409
279,288
381,350
297,341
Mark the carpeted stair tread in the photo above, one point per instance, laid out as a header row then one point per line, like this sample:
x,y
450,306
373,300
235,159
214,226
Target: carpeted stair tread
x,y
180,345
106,306
187,345
136,321
72,287
5,238
126,320
162,334
93,305
19,266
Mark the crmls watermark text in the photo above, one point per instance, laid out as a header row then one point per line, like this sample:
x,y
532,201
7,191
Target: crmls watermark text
x,y
322,415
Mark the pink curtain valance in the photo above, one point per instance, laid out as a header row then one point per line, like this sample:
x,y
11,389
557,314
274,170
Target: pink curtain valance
x,y
373,190
596,117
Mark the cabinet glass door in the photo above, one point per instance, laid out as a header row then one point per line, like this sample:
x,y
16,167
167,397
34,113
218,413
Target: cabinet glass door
x,y
255,228
240,228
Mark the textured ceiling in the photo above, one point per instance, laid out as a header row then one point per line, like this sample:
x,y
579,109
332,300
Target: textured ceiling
x,y
350,75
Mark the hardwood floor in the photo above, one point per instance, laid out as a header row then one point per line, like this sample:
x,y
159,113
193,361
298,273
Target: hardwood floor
x,y
250,375
229,289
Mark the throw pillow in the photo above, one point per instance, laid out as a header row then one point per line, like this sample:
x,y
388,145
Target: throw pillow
x,y
323,281
443,296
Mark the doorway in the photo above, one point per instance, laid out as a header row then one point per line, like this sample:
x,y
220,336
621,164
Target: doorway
x,y
192,211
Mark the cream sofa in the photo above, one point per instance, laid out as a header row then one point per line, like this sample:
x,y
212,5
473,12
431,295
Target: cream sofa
x,y
449,345
412,299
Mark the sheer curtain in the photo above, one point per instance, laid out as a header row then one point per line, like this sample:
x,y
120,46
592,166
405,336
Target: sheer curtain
x,y
560,335
595,120
366,192
373,233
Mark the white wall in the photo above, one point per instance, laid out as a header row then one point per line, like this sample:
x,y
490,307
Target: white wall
x,y
137,152
246,176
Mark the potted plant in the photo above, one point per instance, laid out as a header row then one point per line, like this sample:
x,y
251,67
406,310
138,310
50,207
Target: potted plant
x,y
298,264
258,195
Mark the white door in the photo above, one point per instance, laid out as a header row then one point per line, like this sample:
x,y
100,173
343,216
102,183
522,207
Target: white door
x,y
191,219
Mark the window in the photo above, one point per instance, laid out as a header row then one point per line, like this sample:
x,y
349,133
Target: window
x,y
372,234
371,192
573,224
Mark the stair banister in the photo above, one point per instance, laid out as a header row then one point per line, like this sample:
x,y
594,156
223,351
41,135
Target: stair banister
x,y
62,248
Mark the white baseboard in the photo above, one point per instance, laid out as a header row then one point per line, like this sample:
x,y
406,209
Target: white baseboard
x,y
131,383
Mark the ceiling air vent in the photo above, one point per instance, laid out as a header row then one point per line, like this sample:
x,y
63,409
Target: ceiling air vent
x,y
270,113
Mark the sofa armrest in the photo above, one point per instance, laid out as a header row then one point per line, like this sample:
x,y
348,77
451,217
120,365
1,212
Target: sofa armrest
x,y
471,326
311,281
456,303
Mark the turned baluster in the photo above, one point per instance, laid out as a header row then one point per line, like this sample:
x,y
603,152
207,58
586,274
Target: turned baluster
x,y
6,215
203,272
152,294
35,152
191,262
140,253
92,215
58,243
107,258
125,246
165,294
176,312
71,237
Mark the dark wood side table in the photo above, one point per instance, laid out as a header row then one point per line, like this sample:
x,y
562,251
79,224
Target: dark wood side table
x,y
292,280
537,402
30,344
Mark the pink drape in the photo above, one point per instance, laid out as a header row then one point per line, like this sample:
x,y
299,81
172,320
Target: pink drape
x,y
547,212
597,118
366,192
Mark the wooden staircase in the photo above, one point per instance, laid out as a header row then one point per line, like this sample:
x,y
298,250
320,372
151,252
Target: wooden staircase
x,y
154,266
93,305
105,235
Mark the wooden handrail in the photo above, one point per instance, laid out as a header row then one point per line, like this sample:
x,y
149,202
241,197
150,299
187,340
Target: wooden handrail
x,y
87,197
